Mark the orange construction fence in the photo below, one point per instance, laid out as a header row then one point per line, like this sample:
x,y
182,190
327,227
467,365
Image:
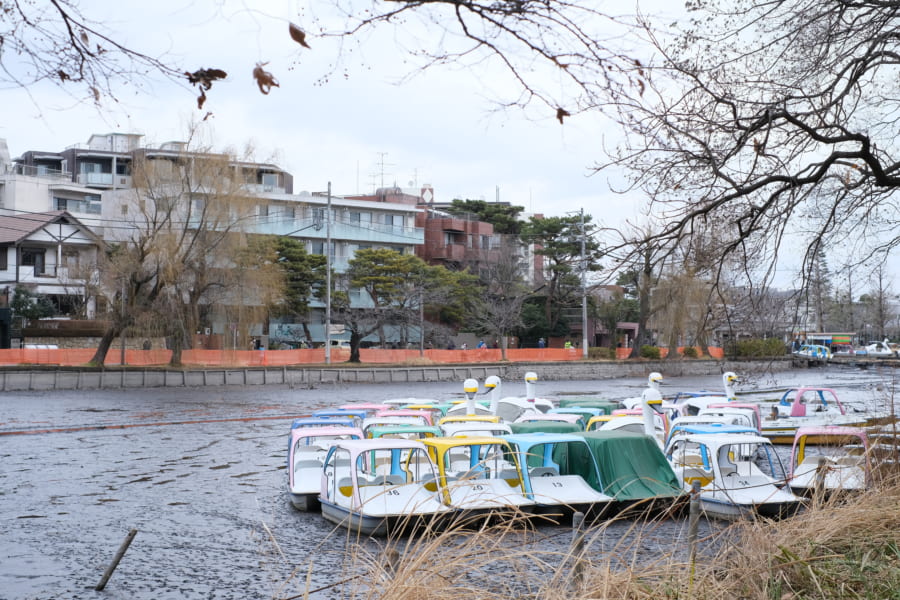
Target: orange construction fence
x,y
279,358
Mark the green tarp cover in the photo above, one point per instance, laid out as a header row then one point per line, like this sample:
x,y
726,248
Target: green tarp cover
x,y
606,406
546,426
632,466
571,459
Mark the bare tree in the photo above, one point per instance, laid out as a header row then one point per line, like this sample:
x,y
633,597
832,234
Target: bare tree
x,y
498,310
182,249
774,120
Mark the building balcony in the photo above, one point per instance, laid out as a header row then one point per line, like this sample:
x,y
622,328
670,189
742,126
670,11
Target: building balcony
x,y
376,233
104,180
51,276
450,252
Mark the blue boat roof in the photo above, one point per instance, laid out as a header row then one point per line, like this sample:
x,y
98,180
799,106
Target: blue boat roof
x,y
338,412
315,422
712,428
527,440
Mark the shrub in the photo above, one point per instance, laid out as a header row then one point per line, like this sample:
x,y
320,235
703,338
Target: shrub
x,y
650,352
599,353
690,352
757,348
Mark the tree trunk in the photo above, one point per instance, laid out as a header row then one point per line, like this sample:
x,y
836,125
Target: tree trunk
x,y
111,333
355,339
177,346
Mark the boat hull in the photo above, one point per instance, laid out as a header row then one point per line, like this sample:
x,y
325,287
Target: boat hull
x,y
730,511
305,502
382,525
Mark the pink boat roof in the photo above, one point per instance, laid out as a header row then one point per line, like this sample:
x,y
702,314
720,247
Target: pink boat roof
x,y
372,406
836,430
428,415
323,431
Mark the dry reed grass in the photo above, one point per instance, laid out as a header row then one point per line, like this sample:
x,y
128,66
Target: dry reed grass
x,y
834,549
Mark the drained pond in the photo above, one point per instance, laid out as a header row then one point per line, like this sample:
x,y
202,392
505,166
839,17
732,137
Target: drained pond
x,y
200,474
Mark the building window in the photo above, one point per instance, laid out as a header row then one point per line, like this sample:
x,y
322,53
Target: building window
x,y
360,217
393,220
318,217
34,257
70,258
4,258
262,210
269,181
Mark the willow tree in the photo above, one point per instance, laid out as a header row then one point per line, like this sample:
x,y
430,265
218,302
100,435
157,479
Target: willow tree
x,y
178,249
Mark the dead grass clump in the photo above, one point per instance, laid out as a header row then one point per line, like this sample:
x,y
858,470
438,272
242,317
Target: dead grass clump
x,y
839,549
835,549
418,361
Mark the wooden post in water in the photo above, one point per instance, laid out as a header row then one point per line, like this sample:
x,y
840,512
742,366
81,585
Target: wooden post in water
x,y
694,521
115,561
578,549
819,490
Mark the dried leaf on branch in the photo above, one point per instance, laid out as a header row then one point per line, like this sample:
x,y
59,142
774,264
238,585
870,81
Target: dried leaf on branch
x,y
265,80
298,35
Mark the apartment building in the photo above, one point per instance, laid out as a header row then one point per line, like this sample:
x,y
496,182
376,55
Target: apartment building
x,y
93,184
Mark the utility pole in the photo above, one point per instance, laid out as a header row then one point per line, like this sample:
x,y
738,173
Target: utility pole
x,y
328,279
584,319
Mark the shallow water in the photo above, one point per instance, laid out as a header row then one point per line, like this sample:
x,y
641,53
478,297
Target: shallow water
x,y
200,473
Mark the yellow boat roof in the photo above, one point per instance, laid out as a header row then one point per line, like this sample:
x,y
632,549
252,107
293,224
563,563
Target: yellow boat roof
x,y
469,419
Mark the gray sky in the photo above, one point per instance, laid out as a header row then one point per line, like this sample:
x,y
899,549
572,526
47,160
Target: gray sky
x,y
440,127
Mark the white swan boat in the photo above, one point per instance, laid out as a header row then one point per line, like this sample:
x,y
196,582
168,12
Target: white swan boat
x,y
560,473
381,486
475,475
831,460
740,474
306,455
811,407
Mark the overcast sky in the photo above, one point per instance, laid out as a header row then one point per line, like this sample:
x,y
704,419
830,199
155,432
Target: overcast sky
x,y
357,132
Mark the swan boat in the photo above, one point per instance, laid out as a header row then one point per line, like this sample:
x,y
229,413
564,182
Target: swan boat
x,y
832,460
560,474
306,455
740,474
811,407
379,487
478,475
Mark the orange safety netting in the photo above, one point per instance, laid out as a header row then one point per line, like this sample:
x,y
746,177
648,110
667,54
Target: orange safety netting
x,y
278,358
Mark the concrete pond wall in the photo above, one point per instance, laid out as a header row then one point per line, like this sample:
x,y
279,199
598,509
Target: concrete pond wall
x,y
74,378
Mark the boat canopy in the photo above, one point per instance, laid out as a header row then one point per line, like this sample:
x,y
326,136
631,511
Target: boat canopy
x,y
632,466
546,426
607,406
567,454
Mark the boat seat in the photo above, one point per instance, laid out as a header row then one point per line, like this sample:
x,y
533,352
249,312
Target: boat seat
x,y
690,459
511,476
345,486
543,472
308,464
692,474
388,480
